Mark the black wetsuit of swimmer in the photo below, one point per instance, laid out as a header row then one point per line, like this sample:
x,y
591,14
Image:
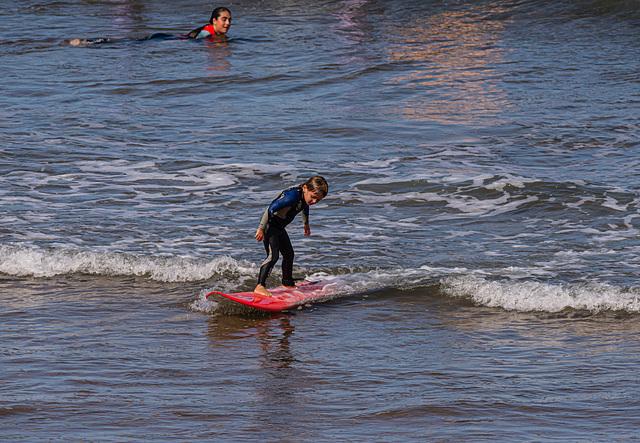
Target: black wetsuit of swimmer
x,y
278,215
206,31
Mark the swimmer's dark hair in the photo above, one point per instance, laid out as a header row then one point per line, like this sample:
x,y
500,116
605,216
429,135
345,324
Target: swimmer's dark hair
x,y
216,13
317,183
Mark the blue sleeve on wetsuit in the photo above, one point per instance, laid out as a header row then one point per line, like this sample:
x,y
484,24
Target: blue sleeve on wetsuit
x,y
290,198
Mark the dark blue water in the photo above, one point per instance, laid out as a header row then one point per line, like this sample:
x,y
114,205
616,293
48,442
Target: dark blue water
x,y
481,226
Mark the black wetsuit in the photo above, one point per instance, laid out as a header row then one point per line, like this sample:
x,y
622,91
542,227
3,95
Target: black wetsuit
x,y
278,215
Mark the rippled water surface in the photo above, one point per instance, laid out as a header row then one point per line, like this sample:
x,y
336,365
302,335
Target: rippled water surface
x,y
482,224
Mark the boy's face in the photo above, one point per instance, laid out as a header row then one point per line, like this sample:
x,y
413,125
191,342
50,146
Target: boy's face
x,y
222,23
311,197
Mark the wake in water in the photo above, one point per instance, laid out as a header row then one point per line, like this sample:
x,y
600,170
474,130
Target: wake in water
x,y
49,262
227,274
531,296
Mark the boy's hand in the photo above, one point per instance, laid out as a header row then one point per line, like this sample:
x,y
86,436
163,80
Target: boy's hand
x,y
307,231
259,234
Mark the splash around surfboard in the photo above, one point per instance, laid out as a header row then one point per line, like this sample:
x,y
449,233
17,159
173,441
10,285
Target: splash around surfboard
x,y
281,298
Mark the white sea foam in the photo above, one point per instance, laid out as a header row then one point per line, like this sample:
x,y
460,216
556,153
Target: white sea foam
x,y
30,261
199,178
532,296
612,203
204,304
488,207
509,180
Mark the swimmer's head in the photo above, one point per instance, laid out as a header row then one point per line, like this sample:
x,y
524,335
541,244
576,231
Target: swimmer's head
x,y
221,20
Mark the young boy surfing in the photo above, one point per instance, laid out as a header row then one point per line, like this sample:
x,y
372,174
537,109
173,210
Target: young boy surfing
x,y
272,226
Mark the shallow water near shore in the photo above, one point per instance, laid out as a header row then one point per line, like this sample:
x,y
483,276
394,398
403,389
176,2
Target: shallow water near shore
x,y
481,227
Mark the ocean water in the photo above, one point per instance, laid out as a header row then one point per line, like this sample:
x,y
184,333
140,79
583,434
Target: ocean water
x,y
481,227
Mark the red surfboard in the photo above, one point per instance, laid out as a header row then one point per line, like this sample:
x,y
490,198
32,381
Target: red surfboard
x,y
306,292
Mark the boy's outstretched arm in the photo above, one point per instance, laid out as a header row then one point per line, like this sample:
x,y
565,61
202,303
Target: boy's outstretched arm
x,y
263,224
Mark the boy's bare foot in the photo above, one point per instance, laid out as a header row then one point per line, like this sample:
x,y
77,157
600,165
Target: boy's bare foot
x,y
262,291
289,287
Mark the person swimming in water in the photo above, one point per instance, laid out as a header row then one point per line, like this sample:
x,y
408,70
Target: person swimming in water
x,y
218,26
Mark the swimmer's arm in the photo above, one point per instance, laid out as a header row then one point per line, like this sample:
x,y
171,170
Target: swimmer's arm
x,y
305,221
